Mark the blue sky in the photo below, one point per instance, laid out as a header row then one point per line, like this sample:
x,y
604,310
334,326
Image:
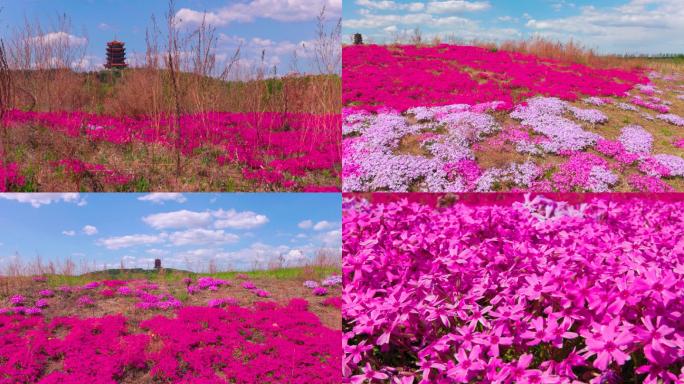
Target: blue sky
x,y
184,230
277,26
610,26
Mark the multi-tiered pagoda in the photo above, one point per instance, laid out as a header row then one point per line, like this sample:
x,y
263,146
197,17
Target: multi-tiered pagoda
x,y
116,55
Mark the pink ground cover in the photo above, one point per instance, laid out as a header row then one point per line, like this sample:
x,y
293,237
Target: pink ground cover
x,y
10,177
272,148
404,76
534,291
267,344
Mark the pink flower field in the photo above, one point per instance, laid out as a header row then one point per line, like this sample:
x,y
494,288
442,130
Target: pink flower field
x,y
527,290
449,118
198,330
220,151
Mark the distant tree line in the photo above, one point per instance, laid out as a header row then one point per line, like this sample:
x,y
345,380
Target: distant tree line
x,y
654,56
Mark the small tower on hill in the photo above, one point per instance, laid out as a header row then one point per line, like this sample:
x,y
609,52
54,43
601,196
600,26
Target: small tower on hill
x,y
116,55
358,39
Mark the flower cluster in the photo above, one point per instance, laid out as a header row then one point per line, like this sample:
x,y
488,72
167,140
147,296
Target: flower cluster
x,y
672,119
584,172
222,302
654,105
80,170
538,291
85,301
636,139
405,76
162,301
10,178
320,291
211,283
334,301
545,116
332,280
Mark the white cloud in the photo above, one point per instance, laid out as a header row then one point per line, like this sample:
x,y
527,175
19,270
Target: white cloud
x,y
630,26
456,6
194,255
160,198
90,230
331,239
87,62
157,252
306,224
322,225
238,220
421,20
178,219
69,233
388,5
130,261
636,26
290,10
294,256
61,38
130,241
38,199
202,236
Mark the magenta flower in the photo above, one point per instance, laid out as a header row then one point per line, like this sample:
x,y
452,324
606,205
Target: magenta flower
x,y
85,301
608,343
369,375
17,300
658,345
320,291
492,340
538,333
467,365
41,303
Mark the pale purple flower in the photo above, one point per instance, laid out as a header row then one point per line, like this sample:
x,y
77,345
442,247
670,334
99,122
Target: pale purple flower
x,y
674,164
332,280
627,107
672,119
636,139
592,116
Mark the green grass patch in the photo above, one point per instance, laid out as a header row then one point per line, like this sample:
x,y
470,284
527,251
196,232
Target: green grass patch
x,y
175,275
